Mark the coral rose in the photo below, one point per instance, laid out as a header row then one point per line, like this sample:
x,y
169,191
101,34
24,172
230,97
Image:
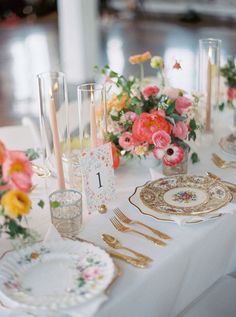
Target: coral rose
x,y
147,124
182,104
115,156
161,139
17,171
140,58
180,130
15,203
150,91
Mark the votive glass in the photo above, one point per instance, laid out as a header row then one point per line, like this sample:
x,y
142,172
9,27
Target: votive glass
x,y
66,212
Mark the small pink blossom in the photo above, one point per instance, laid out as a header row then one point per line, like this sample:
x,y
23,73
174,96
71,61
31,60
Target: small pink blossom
x,y
161,139
182,104
90,273
130,115
180,130
150,91
126,141
17,171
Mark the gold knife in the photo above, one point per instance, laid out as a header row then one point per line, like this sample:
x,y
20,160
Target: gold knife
x,y
231,186
129,259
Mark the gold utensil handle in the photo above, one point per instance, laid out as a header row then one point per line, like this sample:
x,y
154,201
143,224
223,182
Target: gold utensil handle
x,y
140,255
155,231
128,259
154,240
231,186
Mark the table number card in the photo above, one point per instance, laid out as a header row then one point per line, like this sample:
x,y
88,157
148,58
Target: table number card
x,y
98,176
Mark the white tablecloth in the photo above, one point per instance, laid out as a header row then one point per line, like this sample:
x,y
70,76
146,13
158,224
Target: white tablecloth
x,y
196,257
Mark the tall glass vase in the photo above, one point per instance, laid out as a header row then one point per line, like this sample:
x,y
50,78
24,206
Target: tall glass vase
x,y
54,123
208,80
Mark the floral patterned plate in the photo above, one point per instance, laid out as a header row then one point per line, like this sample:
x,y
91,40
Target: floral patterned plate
x,y
181,195
54,275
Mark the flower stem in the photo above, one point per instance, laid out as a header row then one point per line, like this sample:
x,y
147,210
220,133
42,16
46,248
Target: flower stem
x,y
141,73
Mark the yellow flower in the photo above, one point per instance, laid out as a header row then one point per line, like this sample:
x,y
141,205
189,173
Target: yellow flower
x,y
140,58
157,62
15,203
118,103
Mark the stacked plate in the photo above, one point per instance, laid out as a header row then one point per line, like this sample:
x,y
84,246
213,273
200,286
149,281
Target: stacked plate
x,y
192,198
54,275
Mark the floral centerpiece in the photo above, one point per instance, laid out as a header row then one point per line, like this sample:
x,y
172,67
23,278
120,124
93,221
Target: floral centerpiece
x,y
228,71
146,118
15,185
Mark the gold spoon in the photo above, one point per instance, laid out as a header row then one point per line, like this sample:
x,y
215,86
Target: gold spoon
x,y
114,243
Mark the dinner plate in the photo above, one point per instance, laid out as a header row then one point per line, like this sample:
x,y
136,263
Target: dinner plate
x,y
54,275
181,195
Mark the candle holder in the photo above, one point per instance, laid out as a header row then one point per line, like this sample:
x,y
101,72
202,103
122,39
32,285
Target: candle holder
x,y
92,115
54,123
208,80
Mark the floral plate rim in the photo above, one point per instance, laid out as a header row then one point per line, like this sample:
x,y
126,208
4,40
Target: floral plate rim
x,y
161,216
68,250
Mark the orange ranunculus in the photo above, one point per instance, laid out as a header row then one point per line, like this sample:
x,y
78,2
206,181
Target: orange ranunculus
x,y
147,124
140,58
3,152
115,156
118,103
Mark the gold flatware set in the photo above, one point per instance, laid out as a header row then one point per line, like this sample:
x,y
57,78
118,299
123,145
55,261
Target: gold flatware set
x,y
219,162
231,186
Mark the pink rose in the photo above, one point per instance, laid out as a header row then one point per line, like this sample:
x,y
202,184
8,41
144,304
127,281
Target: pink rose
x,y
231,93
182,104
130,115
17,171
90,273
180,130
150,91
171,92
161,139
126,141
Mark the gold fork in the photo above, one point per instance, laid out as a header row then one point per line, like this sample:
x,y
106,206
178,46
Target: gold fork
x,y
127,220
222,163
120,227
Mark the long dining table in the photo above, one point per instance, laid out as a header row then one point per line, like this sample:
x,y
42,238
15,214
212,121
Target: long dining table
x,y
196,257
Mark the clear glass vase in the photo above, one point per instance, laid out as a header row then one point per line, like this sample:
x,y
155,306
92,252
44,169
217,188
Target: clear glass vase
x,y
181,168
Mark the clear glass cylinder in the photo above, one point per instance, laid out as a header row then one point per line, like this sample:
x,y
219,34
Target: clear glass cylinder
x,y
208,80
54,122
92,115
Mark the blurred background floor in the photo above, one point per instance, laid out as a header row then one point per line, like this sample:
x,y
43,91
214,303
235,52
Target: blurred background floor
x,y
31,45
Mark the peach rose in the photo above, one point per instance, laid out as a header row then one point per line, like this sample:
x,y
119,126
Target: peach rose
x,y
17,171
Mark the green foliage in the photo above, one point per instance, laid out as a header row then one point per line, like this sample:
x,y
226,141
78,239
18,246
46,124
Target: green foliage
x,y
229,73
194,158
41,203
32,154
55,204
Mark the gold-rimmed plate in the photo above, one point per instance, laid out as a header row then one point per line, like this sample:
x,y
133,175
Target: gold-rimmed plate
x,y
181,195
